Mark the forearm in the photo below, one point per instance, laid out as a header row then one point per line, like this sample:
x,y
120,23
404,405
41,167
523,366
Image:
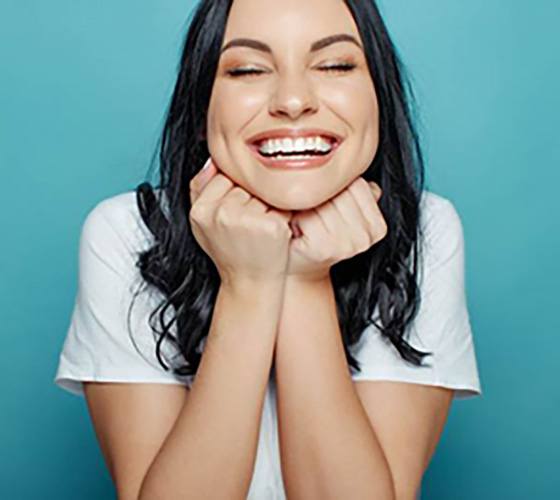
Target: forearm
x,y
211,449
328,448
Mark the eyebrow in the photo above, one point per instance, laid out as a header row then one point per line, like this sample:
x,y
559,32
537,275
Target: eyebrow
x,y
315,46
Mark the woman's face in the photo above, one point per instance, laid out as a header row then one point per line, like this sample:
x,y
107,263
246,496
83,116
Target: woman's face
x,y
292,90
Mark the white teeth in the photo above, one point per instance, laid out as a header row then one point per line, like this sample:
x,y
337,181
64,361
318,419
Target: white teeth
x,y
288,145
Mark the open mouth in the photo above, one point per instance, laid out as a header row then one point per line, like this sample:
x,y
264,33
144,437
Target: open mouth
x,y
295,154
295,148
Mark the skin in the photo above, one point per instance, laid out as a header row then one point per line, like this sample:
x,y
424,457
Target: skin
x,y
239,208
292,91
334,215
348,224
338,439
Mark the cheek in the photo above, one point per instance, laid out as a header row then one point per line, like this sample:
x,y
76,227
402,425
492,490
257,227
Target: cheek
x,y
357,106
366,113
232,106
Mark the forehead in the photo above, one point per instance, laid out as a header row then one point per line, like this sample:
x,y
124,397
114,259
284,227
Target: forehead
x,y
289,22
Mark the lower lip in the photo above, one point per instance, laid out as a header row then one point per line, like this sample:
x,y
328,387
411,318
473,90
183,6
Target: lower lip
x,y
291,164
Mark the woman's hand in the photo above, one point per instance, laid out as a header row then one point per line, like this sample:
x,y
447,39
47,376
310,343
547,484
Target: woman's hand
x,y
348,224
245,238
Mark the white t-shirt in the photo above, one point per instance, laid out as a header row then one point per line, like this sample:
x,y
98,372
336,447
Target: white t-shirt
x,y
98,346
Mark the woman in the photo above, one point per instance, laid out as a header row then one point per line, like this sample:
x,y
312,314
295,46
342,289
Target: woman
x,y
302,276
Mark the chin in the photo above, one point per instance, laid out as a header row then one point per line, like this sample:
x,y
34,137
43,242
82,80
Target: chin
x,y
294,203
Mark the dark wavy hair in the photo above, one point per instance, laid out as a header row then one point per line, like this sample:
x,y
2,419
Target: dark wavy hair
x,y
385,276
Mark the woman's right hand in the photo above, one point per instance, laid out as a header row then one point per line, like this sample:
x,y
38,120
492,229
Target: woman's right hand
x,y
245,238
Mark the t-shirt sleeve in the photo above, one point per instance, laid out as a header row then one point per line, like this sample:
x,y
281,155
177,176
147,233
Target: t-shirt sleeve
x,y
99,345
442,325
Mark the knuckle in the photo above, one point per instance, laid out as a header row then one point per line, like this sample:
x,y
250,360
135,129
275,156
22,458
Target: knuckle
x,y
198,212
362,183
246,220
383,231
271,227
323,253
192,184
221,216
238,192
282,229
385,228
256,204
195,212
276,228
348,251
364,243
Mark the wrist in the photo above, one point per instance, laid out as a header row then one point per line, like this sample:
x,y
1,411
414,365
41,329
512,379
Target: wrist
x,y
248,285
308,281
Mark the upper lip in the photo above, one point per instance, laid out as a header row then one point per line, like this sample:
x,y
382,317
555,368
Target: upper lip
x,y
293,133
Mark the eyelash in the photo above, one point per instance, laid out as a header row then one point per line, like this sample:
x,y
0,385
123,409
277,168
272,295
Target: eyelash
x,y
345,68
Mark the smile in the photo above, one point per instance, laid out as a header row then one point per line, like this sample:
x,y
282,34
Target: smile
x,y
294,149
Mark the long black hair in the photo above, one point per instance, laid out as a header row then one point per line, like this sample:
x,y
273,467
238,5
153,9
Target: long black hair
x,y
383,277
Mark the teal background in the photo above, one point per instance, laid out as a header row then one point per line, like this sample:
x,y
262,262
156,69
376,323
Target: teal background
x,y
84,86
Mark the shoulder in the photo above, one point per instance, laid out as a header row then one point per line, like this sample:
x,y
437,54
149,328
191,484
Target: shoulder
x,y
110,337
118,212
117,208
441,226
437,211
441,326
115,227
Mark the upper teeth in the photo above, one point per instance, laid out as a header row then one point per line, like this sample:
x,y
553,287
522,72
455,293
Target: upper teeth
x,y
288,145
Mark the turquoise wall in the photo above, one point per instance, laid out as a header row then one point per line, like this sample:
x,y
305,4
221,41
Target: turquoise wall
x,y
83,89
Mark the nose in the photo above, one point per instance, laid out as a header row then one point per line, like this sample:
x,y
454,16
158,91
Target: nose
x,y
293,97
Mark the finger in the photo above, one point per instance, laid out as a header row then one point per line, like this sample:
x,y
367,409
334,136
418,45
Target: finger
x,y
376,190
207,171
296,230
215,189
283,215
236,196
362,193
253,203
333,219
308,224
201,179
309,221
353,217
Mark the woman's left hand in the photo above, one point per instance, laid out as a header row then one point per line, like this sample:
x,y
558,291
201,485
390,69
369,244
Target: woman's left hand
x,y
344,226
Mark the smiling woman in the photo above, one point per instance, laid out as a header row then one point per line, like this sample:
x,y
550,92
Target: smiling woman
x,y
296,301
315,82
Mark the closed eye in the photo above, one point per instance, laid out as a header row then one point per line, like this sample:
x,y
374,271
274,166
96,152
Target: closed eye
x,y
243,71
339,67
344,68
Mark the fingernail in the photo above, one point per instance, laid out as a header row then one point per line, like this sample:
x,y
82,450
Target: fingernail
x,y
207,164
